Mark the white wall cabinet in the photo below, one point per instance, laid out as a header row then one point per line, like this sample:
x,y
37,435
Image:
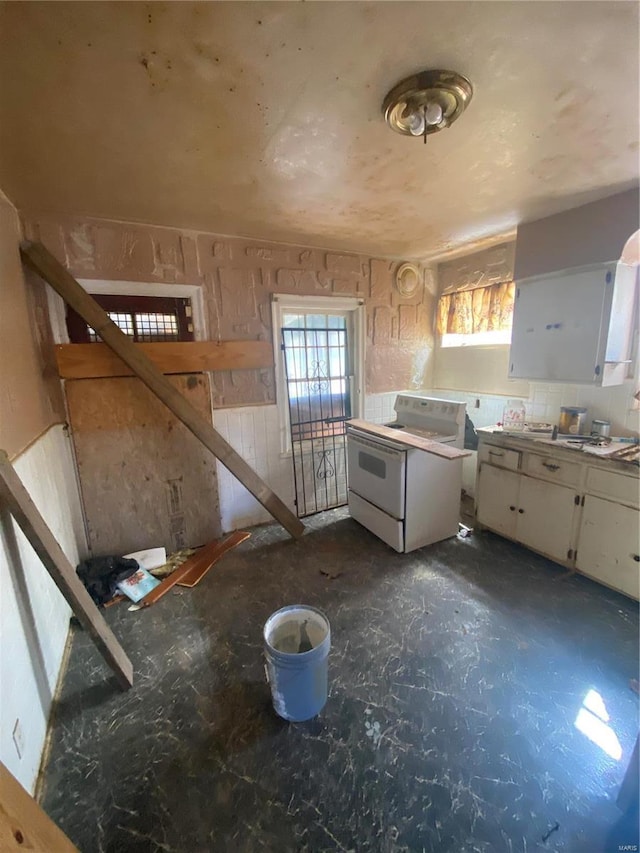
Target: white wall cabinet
x,y
579,511
574,325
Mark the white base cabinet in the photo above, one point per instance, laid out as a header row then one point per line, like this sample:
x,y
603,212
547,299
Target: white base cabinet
x,y
609,548
539,515
578,510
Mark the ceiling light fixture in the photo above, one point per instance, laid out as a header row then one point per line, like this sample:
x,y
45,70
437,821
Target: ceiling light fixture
x,y
427,102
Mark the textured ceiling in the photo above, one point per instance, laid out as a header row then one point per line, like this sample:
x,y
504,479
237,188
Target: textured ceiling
x,y
263,119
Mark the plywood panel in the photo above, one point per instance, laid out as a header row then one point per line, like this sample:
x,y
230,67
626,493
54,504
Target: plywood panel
x,y
145,479
92,361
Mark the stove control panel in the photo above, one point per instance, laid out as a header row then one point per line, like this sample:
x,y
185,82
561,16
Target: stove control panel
x,y
428,407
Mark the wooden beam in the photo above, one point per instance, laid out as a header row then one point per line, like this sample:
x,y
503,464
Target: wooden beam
x,y
42,262
17,499
98,361
24,825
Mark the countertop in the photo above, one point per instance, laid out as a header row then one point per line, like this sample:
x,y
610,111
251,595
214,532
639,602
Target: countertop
x,y
400,436
542,442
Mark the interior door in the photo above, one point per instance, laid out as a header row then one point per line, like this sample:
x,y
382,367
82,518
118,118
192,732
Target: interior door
x,y
545,517
608,547
497,498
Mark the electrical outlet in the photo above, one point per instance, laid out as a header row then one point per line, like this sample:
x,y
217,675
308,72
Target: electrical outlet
x,y
18,738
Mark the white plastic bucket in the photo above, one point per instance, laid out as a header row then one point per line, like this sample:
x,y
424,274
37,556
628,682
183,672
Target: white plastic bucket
x,y
297,640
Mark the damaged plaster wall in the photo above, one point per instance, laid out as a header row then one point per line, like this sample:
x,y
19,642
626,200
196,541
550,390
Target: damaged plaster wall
x,y
35,617
239,275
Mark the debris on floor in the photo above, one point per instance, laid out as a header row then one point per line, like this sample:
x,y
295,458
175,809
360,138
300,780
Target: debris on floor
x,y
331,573
137,585
101,575
553,829
171,563
195,567
150,558
463,531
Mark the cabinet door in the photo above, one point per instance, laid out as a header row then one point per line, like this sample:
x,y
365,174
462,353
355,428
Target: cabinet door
x,y
608,548
545,517
558,329
497,498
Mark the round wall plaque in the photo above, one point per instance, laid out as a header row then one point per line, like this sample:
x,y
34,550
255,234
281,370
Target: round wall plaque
x,y
408,279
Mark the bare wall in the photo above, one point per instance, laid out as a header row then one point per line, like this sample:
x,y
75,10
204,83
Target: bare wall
x,y
590,234
30,398
239,275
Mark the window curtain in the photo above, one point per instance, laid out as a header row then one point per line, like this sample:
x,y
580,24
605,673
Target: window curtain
x,y
477,309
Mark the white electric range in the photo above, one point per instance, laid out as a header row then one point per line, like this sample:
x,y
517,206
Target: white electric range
x,y
406,496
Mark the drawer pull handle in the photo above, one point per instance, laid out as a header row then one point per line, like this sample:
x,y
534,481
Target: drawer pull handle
x,y
636,557
495,453
550,466
521,511
512,508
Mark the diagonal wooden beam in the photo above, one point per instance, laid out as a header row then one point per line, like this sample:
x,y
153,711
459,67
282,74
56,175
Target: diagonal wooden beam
x,y
41,261
18,501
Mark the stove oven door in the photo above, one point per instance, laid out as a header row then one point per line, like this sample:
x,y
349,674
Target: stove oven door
x,y
377,471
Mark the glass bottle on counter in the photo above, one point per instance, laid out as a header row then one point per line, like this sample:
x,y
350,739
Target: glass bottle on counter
x,y
513,416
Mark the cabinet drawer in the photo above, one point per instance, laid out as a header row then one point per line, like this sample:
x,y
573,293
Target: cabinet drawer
x,y
612,485
555,470
499,456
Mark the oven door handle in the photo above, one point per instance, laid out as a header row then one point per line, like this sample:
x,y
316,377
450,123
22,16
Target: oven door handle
x,y
372,442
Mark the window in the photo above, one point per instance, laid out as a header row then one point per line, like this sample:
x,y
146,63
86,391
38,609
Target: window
x,y
476,315
145,319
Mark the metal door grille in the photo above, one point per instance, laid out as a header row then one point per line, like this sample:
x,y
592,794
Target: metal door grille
x,y
319,394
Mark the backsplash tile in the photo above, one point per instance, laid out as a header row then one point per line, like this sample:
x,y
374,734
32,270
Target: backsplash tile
x,y
615,404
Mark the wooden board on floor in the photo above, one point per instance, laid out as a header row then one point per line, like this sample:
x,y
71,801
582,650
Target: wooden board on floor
x,y
197,572
95,361
24,825
195,567
38,258
22,508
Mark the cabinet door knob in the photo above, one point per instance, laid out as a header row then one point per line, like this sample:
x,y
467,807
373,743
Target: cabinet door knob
x,y
636,557
521,511
512,508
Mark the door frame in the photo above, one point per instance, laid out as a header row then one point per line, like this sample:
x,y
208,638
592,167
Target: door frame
x,y
282,303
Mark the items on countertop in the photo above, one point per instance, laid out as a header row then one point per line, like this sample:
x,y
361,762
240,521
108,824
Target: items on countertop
x,y
514,416
573,420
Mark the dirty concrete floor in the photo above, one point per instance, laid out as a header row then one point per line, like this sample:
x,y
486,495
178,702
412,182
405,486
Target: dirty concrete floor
x,y
457,675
